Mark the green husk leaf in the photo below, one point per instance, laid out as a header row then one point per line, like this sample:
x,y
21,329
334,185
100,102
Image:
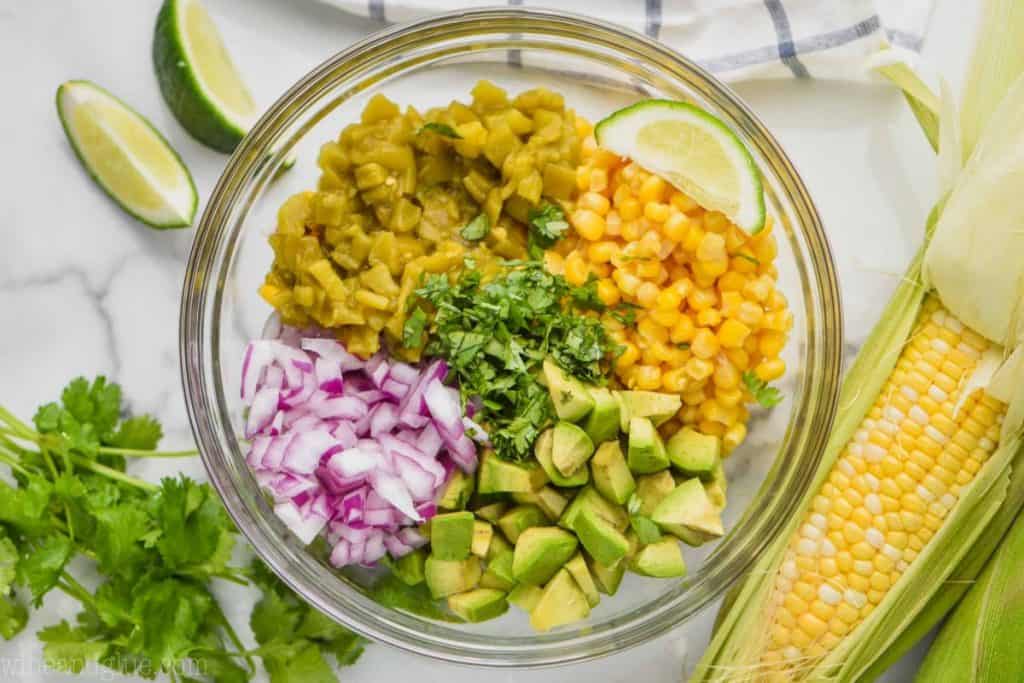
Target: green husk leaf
x,y
997,60
922,101
980,641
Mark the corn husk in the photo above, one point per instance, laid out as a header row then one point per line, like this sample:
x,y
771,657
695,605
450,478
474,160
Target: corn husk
x,y
956,555
980,642
922,101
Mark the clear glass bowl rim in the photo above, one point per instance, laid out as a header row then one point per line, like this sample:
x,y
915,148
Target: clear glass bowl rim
x,y
209,264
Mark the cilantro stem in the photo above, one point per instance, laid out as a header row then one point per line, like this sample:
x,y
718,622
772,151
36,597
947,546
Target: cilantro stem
x,y
12,462
140,453
110,472
17,425
235,640
70,585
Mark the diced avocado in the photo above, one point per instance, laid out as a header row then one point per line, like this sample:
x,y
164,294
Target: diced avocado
x,y
577,566
589,498
457,492
612,477
498,546
499,573
691,537
548,499
478,605
572,400
646,452
607,579
451,535
491,512
602,424
525,597
688,507
717,487
603,542
562,602
661,560
651,489
501,476
409,567
543,450
482,535
540,552
570,448
447,577
519,519
694,454
658,407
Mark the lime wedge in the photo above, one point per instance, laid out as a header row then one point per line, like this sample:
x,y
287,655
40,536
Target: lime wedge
x,y
197,78
126,156
694,151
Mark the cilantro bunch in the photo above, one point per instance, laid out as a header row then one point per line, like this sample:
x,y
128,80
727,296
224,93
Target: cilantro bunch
x,y
496,334
157,550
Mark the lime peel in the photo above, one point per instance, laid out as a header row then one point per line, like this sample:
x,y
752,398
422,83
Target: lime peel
x,y
692,150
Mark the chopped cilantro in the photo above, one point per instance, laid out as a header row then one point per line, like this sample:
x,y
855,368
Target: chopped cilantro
x,y
748,257
547,225
442,129
495,335
476,229
767,396
625,312
415,326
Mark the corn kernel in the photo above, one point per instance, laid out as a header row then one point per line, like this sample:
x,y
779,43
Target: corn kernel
x,y
576,270
588,224
647,294
608,293
595,202
770,369
683,331
732,334
647,377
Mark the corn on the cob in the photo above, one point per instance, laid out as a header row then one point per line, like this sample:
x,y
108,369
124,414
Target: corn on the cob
x,y
922,474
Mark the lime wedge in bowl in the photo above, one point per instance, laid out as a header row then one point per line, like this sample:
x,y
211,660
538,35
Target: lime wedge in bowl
x,y
126,156
694,151
197,78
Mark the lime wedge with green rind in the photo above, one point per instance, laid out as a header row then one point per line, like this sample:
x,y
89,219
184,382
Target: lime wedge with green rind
x,y
694,151
126,156
197,78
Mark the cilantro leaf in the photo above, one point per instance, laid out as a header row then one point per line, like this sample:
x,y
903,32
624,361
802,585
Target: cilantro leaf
x,y
585,296
476,229
442,129
25,507
70,649
169,614
625,312
767,396
8,565
646,530
633,504
13,617
40,567
98,403
306,665
547,225
192,523
118,532
415,326
141,432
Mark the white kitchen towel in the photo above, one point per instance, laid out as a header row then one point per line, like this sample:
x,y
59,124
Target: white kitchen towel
x,y
735,39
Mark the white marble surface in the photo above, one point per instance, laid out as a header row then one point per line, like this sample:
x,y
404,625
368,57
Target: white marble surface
x,y
84,289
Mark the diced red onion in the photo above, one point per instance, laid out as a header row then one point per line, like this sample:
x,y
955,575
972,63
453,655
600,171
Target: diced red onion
x,y
475,431
303,454
444,408
404,373
306,528
353,462
343,407
383,419
411,537
328,376
395,546
258,357
261,412
332,350
394,390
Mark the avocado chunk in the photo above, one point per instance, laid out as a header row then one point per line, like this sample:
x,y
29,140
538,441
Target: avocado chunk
x,y
550,500
498,546
525,597
562,602
572,400
482,535
717,487
540,552
646,452
602,424
603,542
409,567
543,450
499,573
577,567
570,448
662,560
611,474
447,577
457,492
451,535
491,512
657,406
501,476
607,579
519,519
589,498
651,489
688,508
694,454
479,604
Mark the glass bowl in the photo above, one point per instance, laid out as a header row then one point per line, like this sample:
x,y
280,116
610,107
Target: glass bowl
x,y
598,68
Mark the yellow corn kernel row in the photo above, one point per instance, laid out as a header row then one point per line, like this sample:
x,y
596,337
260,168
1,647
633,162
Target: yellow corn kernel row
x,y
707,305
887,495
